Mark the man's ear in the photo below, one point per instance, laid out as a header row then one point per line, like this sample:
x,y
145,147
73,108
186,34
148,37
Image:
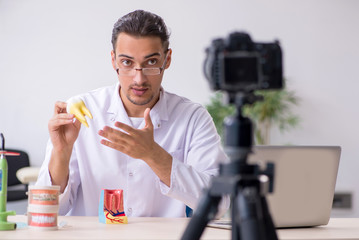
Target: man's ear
x,y
169,58
113,59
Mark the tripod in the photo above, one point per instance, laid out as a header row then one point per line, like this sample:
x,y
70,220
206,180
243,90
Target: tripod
x,y
245,183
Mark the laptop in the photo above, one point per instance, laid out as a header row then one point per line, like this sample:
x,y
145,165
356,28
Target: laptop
x,y
304,184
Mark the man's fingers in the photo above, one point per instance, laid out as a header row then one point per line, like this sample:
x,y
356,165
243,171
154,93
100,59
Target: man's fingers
x,y
65,116
147,117
60,107
61,119
113,145
125,127
114,135
131,130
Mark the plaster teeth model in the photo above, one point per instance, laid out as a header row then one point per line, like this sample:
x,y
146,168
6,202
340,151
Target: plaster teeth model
x,y
77,107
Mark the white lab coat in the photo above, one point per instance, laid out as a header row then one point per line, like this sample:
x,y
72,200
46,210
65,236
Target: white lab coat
x,y
181,127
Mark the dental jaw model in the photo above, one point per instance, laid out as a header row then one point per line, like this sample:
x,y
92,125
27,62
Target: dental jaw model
x,y
77,107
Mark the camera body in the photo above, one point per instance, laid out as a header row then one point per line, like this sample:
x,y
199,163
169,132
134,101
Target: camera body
x,y
237,64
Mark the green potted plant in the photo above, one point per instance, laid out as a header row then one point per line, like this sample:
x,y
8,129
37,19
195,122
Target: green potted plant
x,y
274,110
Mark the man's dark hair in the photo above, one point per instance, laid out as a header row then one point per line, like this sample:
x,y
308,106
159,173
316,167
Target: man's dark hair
x,y
140,23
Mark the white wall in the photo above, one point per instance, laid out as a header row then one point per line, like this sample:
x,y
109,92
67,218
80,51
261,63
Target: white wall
x,y
51,50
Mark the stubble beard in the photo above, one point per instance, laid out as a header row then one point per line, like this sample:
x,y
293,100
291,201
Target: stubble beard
x,y
139,102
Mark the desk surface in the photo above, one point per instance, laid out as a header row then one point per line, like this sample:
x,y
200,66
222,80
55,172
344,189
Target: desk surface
x,y
167,228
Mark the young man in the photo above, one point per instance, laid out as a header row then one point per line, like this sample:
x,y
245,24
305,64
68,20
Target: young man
x,y
161,149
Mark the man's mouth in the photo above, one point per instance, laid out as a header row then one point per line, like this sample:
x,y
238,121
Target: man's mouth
x,y
139,91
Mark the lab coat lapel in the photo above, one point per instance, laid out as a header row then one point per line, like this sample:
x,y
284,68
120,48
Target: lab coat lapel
x,y
116,109
159,112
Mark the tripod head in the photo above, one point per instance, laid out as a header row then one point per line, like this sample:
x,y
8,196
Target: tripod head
x,y
238,129
238,141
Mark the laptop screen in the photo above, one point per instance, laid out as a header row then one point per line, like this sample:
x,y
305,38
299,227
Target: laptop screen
x,y
304,182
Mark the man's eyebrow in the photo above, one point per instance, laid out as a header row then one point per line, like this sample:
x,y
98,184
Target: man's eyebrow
x,y
153,54
148,56
126,56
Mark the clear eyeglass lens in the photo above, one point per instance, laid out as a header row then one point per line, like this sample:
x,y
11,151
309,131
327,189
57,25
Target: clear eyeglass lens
x,y
145,71
126,72
151,71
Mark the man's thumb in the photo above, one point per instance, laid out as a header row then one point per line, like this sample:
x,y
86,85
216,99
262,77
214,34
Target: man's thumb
x,y
147,118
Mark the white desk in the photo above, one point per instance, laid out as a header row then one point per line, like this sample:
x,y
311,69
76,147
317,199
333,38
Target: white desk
x,y
168,228
90,228
337,228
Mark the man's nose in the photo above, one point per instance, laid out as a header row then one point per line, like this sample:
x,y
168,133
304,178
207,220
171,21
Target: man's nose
x,y
139,76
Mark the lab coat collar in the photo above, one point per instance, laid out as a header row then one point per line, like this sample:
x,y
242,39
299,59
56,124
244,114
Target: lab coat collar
x,y
158,113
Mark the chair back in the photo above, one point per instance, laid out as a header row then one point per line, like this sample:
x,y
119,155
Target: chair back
x,y
14,164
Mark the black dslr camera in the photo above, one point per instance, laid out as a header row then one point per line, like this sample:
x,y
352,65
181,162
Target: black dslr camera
x,y
237,64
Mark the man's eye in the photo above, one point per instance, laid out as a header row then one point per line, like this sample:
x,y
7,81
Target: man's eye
x,y
152,62
126,63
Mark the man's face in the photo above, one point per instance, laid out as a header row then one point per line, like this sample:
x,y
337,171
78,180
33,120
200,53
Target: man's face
x,y
139,52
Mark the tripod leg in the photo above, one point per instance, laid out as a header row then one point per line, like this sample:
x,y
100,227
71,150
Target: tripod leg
x,y
253,219
249,219
235,221
268,222
206,211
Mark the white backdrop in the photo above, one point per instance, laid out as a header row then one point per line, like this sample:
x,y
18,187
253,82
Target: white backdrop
x,y
51,50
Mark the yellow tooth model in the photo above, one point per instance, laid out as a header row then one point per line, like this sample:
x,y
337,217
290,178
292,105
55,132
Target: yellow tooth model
x,y
77,107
